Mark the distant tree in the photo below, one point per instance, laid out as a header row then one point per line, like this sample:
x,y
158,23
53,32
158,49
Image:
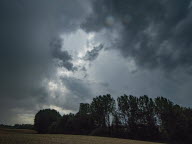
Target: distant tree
x,y
175,121
146,110
102,107
83,119
116,120
63,125
146,118
165,114
117,126
44,119
187,128
70,125
124,108
23,126
84,109
128,107
140,118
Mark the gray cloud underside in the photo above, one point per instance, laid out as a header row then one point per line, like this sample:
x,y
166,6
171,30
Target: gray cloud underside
x,y
93,54
26,58
157,35
154,33
63,57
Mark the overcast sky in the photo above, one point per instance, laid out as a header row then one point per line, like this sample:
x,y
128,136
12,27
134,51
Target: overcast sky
x,y
58,53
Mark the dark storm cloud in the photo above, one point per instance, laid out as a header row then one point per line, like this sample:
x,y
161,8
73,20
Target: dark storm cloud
x,y
155,33
80,91
93,54
62,56
27,28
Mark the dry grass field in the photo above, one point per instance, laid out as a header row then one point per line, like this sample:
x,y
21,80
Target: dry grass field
x,y
10,136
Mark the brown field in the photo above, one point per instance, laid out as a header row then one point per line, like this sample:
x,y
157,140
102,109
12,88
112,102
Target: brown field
x,y
12,136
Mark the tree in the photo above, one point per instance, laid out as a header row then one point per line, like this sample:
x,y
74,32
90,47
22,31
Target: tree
x,y
68,123
165,115
175,121
83,119
146,118
84,109
117,127
128,107
44,119
124,108
140,118
102,107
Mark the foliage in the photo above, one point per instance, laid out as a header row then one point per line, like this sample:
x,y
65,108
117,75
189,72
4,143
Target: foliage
x,y
102,107
44,119
134,117
18,126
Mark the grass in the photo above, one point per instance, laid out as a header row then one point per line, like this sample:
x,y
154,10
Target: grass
x,y
12,136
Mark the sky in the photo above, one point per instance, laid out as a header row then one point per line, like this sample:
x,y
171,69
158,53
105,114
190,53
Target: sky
x,y
57,54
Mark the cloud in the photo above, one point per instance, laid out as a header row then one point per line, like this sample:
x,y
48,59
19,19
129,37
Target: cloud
x,y
141,40
63,57
156,34
79,91
26,59
67,92
93,54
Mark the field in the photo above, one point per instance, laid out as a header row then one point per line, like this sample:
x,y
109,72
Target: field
x,y
10,136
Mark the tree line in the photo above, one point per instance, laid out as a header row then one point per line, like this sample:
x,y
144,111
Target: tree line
x,y
132,117
17,126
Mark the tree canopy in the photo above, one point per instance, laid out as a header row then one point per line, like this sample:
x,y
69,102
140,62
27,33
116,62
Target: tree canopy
x,y
44,119
133,117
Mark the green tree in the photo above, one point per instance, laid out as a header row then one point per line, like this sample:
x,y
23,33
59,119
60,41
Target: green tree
x,y
128,107
165,115
102,107
146,111
44,119
175,121
84,109
83,119
117,127
66,124
146,118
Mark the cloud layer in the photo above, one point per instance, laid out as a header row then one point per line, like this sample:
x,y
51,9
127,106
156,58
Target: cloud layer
x,y
56,54
157,34
26,58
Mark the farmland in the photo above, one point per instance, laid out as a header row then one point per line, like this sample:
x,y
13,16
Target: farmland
x,y
11,136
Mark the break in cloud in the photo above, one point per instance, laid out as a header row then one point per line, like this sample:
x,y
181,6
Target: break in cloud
x,y
56,54
154,33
